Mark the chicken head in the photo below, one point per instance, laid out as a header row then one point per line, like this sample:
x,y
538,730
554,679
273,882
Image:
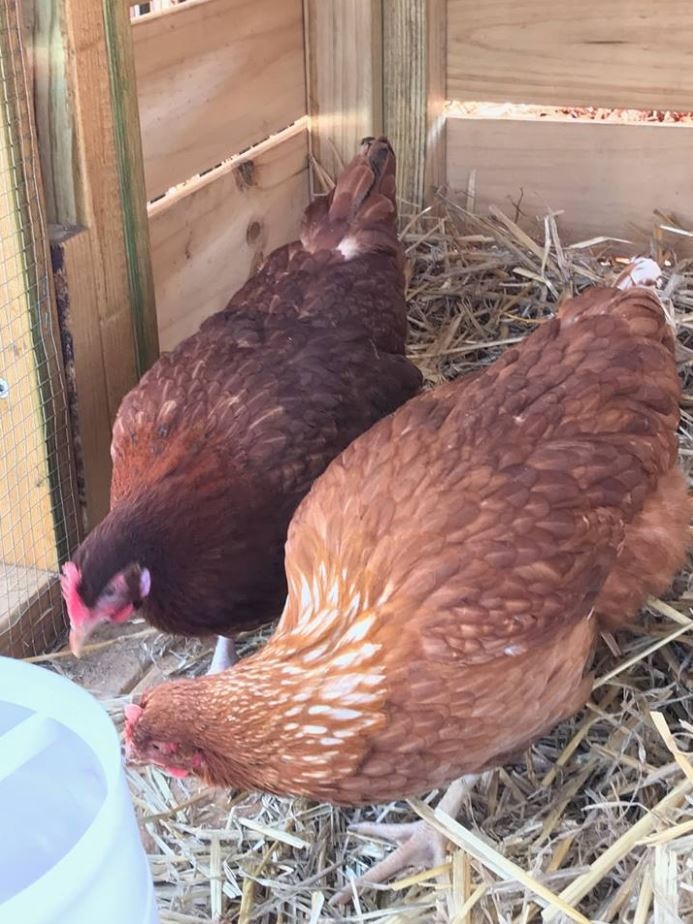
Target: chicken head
x,y
178,758
115,601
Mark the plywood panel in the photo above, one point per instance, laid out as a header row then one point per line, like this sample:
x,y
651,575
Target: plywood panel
x,y
208,241
607,178
344,60
215,76
621,53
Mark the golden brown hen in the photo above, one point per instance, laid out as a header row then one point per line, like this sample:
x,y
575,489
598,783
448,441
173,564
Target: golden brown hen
x,y
221,439
449,574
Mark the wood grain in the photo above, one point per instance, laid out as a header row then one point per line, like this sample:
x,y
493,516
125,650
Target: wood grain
x,y
414,96
210,238
214,77
79,163
91,162
607,178
127,138
622,54
344,66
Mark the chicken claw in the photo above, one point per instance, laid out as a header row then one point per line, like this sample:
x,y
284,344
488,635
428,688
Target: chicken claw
x,y
419,845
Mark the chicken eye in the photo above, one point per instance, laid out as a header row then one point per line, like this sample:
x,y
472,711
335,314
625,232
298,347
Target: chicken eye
x,y
109,591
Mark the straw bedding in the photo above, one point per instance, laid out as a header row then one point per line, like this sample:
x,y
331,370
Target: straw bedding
x,y
596,823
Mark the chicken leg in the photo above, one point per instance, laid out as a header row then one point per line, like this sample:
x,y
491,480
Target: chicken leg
x,y
225,655
418,844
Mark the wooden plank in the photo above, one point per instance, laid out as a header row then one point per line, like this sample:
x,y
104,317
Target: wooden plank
x,y
414,95
128,144
214,77
344,66
78,160
209,239
91,164
607,178
622,54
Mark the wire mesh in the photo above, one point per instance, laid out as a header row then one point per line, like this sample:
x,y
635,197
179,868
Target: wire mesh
x,y
38,509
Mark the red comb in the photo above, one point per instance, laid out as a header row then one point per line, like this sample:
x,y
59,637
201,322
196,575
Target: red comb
x,y
69,585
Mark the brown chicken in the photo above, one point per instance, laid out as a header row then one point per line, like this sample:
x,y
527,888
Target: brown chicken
x,y
450,572
221,439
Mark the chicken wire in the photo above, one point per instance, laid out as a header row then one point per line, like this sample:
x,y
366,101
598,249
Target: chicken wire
x,y
38,510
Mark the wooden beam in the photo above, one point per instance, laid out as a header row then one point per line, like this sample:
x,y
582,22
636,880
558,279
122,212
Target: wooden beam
x,y
636,54
414,54
91,162
214,78
343,40
129,160
604,178
210,237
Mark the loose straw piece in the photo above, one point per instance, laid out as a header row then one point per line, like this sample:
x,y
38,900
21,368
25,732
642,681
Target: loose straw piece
x,y
680,758
492,859
619,849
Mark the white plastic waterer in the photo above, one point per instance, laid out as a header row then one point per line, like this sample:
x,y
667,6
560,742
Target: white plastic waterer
x,y
70,851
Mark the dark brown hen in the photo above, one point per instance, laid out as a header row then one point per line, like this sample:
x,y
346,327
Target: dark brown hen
x,y
221,439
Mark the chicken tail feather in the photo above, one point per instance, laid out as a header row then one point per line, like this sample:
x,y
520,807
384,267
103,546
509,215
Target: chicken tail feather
x,y
359,215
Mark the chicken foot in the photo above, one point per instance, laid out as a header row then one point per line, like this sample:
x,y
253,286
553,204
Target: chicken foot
x,y
225,655
419,845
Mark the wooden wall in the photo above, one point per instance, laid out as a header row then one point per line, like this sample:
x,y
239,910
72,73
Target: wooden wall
x,y
218,77
606,178
176,144
222,99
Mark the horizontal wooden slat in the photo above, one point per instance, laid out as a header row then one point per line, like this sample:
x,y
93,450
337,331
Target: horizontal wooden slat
x,y
215,76
607,178
621,53
206,243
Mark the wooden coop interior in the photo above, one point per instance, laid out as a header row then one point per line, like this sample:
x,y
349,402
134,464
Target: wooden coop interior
x,y
169,147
